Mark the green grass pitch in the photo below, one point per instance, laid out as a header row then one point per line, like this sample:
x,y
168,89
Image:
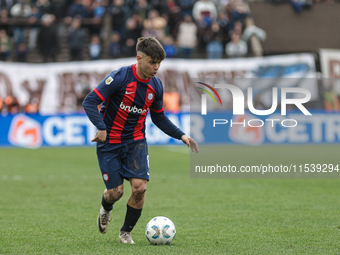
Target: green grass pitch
x,y
50,199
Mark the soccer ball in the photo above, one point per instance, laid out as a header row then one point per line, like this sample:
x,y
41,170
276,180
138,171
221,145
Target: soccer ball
x,y
160,230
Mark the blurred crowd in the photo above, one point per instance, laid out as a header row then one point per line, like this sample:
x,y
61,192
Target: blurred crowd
x,y
186,28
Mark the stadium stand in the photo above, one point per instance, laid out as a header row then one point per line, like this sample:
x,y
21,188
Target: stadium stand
x,y
23,21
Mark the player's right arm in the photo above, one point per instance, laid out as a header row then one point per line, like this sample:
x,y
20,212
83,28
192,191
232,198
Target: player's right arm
x,y
101,93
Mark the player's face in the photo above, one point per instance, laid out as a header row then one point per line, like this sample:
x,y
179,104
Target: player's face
x,y
149,67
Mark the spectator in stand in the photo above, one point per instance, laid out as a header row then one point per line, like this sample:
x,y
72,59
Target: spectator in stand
x,y
254,30
236,48
204,13
154,25
215,47
12,104
186,7
20,10
4,22
7,4
132,32
115,47
139,24
172,100
77,10
21,53
5,46
238,27
33,106
142,8
331,100
35,28
237,12
44,6
222,20
148,30
119,13
97,10
76,40
129,38
170,47
170,4
129,48
48,41
187,37
58,9
95,47
174,19
204,10
160,6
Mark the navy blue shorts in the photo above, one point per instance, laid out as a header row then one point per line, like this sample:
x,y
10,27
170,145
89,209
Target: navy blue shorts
x,y
129,160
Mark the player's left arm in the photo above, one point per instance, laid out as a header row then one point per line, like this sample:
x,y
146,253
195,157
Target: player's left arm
x,y
163,123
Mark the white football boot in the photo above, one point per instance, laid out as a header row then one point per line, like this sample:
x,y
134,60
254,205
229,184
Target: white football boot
x,y
103,221
125,237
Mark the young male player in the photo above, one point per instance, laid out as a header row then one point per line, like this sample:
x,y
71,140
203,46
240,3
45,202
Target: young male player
x,y
127,95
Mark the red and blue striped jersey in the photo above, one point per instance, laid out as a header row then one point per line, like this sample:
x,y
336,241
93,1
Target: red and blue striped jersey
x,y
126,101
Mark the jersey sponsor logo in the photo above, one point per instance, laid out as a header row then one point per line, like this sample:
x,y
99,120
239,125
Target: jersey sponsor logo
x,y
128,93
108,80
133,109
25,132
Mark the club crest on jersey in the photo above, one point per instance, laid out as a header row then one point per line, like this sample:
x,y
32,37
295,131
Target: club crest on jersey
x,y
108,80
150,96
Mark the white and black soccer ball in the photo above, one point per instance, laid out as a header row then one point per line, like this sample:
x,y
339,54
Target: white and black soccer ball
x,y
160,230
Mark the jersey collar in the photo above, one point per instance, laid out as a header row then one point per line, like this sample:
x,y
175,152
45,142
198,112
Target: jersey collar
x,y
136,75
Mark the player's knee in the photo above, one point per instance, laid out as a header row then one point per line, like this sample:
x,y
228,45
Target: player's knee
x,y
139,190
115,194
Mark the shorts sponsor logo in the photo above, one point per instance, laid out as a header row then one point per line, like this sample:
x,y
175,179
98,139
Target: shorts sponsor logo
x,y
106,177
25,132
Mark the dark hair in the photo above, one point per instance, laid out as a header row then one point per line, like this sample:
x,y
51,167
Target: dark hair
x,y
151,47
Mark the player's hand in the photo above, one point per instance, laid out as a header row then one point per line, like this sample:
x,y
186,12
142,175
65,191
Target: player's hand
x,y
190,142
100,136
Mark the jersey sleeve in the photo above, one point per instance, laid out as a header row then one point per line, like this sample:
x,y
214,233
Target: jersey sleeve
x,y
102,92
157,104
109,85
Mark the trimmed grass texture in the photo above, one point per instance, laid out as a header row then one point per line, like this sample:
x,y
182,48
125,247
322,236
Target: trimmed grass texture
x,y
50,199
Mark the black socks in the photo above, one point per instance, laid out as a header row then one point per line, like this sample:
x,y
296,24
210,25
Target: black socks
x,y
131,218
107,206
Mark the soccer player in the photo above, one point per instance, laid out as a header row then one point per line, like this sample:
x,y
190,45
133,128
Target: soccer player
x,y
127,95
